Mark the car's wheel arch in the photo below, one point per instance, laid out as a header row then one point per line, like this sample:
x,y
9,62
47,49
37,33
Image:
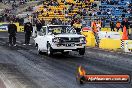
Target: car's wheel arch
x,y
49,48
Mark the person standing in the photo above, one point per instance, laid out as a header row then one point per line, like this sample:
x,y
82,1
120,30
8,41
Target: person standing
x,y
126,24
94,29
112,25
103,22
77,25
72,22
28,29
98,25
12,30
118,25
38,26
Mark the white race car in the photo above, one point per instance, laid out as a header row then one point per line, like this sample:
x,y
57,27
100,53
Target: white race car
x,y
59,38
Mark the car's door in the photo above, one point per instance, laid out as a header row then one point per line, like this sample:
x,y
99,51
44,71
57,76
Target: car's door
x,y
43,40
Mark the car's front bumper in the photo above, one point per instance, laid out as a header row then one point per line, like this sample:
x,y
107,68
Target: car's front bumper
x,y
66,47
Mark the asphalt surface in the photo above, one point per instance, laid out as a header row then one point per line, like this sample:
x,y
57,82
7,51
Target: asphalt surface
x,y
23,67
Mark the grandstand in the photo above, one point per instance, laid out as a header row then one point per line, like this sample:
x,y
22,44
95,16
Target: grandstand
x,y
94,9
63,10
115,9
87,10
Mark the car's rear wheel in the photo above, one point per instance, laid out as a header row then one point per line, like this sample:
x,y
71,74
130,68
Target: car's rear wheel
x,y
49,50
82,51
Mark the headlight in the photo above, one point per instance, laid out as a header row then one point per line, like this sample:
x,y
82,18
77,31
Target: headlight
x,y
82,40
56,40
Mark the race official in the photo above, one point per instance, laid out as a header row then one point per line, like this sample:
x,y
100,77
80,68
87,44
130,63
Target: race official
x,y
94,29
112,25
12,30
118,25
126,24
28,29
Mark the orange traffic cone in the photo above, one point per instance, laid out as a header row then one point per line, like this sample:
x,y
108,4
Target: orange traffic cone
x,y
125,35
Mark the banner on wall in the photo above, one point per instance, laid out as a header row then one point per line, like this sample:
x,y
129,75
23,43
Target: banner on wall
x,y
4,27
128,45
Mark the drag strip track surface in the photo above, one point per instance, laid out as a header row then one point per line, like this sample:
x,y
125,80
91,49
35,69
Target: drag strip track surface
x,y
22,67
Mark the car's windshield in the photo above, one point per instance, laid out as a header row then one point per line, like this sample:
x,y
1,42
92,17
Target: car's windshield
x,y
61,30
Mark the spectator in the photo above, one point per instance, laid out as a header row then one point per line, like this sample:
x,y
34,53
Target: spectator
x,y
42,11
59,21
103,22
112,25
72,22
60,13
45,9
77,25
43,22
53,21
83,23
47,15
118,25
84,13
98,25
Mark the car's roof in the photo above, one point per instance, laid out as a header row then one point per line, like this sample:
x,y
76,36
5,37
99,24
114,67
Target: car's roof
x,y
56,25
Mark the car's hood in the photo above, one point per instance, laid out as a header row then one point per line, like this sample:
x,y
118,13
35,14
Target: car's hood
x,y
68,35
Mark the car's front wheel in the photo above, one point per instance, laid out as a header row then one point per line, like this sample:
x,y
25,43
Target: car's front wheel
x,y
82,51
39,51
49,50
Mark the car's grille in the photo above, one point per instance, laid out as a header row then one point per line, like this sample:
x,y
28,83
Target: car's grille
x,y
65,39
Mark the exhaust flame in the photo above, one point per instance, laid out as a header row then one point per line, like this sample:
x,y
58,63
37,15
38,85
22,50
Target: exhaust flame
x,y
81,71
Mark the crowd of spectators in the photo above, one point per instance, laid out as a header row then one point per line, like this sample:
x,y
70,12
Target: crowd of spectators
x,y
8,14
83,6
117,9
8,18
115,2
85,9
56,21
53,3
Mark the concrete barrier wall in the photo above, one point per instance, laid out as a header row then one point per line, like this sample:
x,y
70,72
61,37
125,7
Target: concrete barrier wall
x,y
111,44
114,35
127,46
90,38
